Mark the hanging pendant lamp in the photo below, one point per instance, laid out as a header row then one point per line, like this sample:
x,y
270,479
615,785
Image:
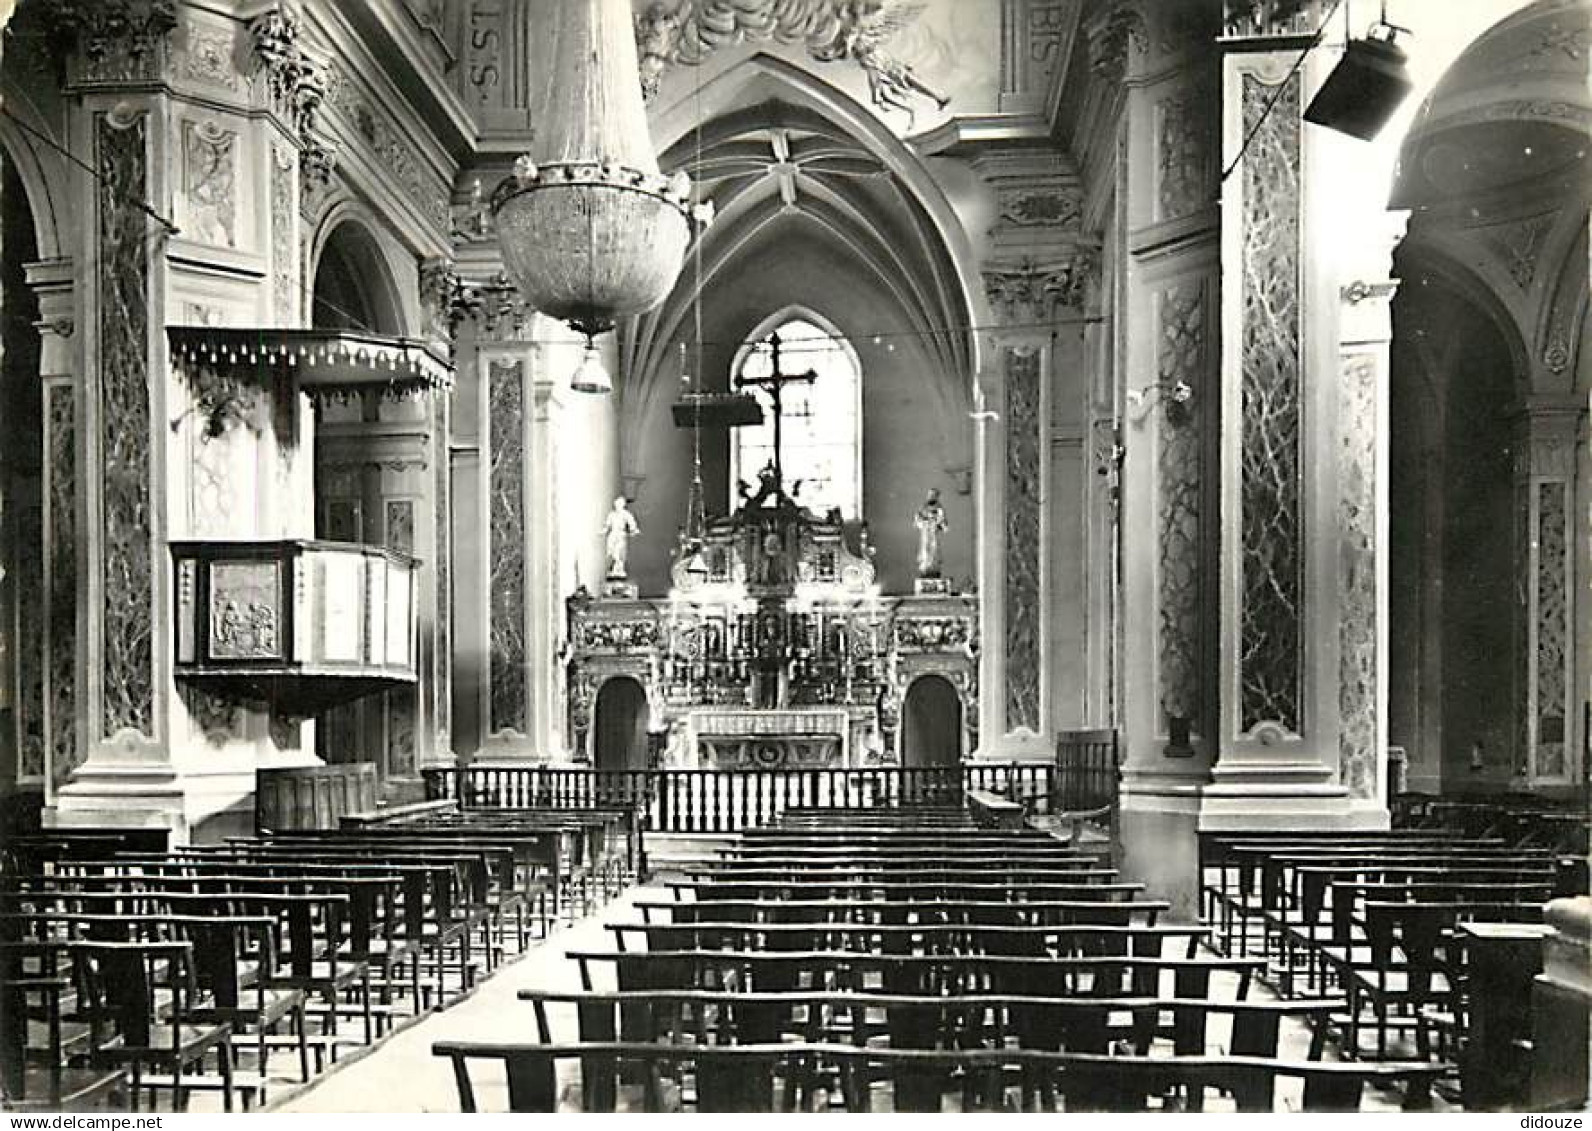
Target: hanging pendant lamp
x,y
590,231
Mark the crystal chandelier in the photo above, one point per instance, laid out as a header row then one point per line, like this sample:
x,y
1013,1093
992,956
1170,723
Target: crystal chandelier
x,y
590,231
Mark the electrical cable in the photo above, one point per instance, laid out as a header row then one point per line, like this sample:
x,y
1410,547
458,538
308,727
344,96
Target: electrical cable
x,y
1315,41
127,198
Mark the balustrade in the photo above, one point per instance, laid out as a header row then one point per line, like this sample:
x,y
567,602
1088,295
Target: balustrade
x,y
713,801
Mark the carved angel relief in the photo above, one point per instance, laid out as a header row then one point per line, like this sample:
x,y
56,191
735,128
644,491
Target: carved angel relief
x,y
688,31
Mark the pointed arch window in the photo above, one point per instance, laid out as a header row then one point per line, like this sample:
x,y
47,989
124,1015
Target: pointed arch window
x,y
823,420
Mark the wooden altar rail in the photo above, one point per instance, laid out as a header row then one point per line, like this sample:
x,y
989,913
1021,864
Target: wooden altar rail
x,y
727,800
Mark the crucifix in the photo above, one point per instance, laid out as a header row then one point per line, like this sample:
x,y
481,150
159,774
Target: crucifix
x,y
775,382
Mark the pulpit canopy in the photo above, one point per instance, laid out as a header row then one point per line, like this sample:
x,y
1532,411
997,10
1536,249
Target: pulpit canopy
x,y
327,364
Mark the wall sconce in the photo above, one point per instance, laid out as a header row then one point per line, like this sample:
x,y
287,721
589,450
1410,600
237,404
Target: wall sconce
x,y
1176,395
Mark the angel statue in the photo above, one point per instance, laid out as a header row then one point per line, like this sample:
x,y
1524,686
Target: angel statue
x,y
866,27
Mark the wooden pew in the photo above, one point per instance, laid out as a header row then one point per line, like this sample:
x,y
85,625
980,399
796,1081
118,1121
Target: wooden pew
x,y
943,910
934,938
909,890
758,970
733,1077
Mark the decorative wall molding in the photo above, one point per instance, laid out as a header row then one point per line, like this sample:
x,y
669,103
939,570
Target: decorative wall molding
x,y
294,82
207,56
1026,293
498,310
317,178
1028,206
443,302
114,41
673,32
209,183
285,287
390,148
1271,539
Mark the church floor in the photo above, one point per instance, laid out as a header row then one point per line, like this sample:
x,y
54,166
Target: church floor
x,y
401,1075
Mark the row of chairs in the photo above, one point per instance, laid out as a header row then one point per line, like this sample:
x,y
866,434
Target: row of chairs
x,y
1377,918
127,975
892,958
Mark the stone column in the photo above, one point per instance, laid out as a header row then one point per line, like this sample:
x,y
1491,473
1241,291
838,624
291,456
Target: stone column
x,y
1014,513
1165,352
524,371
52,281
507,373
173,125
548,418
1300,624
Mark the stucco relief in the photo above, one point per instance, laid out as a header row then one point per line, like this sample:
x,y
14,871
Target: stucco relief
x,y
508,656
391,149
207,57
210,183
1270,494
871,35
122,304
1022,619
284,238
399,525
1357,566
116,41
61,567
1181,476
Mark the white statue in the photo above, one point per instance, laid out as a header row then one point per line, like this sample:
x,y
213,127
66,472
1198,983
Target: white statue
x,y
618,528
930,521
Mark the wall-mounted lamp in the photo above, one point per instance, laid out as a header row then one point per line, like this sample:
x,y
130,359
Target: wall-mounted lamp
x,y
1366,87
1176,395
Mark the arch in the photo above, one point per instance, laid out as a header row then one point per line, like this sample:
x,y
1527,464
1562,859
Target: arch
x,y
796,313
723,82
1418,258
931,723
347,251
619,725
43,176
941,297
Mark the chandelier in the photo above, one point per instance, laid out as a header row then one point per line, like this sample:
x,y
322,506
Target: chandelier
x,y
590,231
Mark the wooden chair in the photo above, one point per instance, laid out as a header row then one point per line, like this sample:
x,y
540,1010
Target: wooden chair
x,y
139,997
36,1073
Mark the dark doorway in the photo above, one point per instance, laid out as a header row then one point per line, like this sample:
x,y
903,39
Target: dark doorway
x,y
931,732
620,729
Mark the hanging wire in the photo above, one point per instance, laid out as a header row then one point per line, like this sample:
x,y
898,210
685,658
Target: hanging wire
x,y
1315,41
696,504
127,198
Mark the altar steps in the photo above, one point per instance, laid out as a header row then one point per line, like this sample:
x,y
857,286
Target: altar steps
x,y
672,853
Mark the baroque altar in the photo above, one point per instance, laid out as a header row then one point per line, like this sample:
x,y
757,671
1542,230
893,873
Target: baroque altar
x,y
774,647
